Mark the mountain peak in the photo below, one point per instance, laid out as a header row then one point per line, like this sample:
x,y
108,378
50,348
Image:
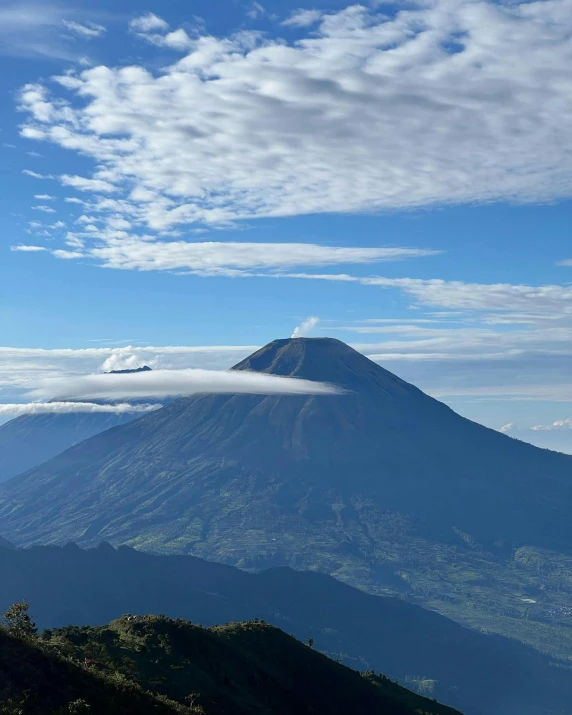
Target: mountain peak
x,y
322,359
145,368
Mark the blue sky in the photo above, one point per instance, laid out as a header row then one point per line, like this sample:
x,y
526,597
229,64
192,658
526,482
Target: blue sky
x,y
181,184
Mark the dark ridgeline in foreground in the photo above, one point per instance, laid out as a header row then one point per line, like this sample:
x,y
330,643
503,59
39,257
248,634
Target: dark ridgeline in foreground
x,y
152,664
476,673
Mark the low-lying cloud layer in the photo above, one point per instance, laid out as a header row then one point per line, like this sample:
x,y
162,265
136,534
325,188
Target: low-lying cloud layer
x,y
61,408
176,383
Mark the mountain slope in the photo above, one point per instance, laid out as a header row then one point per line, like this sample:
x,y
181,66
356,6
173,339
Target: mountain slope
x,y
35,680
29,440
238,669
479,674
383,486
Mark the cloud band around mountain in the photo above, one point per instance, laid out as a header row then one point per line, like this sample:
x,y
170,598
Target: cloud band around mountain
x,y
175,383
60,408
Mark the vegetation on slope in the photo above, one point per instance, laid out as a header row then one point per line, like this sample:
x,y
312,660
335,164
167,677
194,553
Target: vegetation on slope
x,y
153,664
476,673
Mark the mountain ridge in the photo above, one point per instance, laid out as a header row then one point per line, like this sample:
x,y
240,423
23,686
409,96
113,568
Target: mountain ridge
x,y
146,663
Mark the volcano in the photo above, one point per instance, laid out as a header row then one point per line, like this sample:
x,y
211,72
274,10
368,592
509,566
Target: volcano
x,y
381,485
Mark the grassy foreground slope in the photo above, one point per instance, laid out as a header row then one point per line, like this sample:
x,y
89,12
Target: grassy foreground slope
x,y
153,664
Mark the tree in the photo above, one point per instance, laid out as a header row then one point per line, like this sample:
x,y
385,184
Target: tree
x,y
310,642
17,621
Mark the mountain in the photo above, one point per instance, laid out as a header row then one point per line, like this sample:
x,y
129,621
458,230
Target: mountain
x,y
152,664
145,368
476,673
5,544
29,440
382,486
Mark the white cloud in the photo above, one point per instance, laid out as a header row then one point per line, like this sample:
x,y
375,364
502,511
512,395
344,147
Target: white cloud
x,y
82,184
233,258
43,408
558,425
21,366
438,103
303,18
556,436
536,302
148,23
170,383
534,366
44,197
34,29
256,10
305,328
45,209
30,29
177,40
27,249
87,31
34,174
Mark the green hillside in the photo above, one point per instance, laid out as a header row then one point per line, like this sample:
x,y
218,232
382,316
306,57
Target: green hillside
x,y
152,664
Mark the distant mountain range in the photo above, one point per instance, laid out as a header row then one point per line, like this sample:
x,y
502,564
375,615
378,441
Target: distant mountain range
x,y
29,440
479,674
153,664
383,487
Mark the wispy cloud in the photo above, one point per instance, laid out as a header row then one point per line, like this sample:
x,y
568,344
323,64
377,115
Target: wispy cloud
x,y
556,436
45,209
303,18
233,258
256,10
35,174
38,29
171,383
87,30
148,23
558,425
44,408
27,249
